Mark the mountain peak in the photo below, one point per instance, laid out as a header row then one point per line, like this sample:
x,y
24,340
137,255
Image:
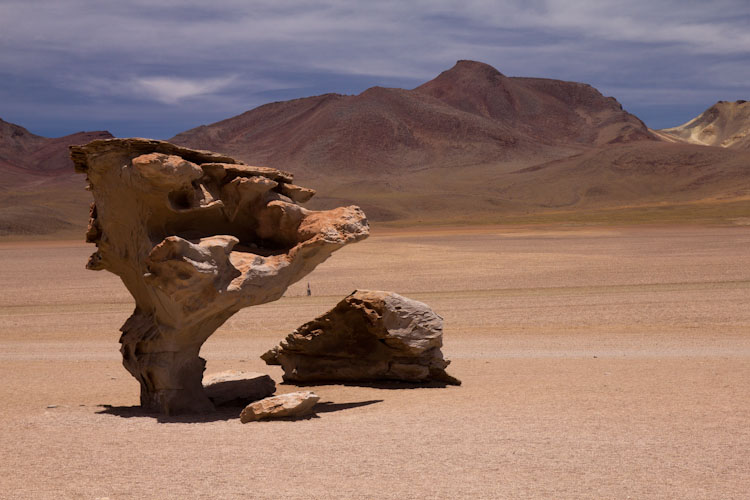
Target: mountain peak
x,y
465,74
476,67
474,87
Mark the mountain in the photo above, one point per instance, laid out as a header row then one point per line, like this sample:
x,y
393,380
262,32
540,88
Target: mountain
x,y
29,154
469,146
39,193
474,145
725,124
543,109
470,114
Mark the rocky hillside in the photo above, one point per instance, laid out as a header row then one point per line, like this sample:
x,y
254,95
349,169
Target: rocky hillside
x,y
725,124
39,193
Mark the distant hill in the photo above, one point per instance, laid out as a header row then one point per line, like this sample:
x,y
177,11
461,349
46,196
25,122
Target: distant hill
x,y
725,124
33,154
39,193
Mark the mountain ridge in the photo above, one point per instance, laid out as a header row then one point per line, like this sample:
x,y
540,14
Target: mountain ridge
x,y
466,115
470,146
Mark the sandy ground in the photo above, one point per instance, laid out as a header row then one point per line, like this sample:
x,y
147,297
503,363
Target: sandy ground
x,y
604,363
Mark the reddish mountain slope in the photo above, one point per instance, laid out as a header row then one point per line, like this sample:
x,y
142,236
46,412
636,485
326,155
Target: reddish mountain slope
x,y
16,141
468,115
39,193
25,153
547,110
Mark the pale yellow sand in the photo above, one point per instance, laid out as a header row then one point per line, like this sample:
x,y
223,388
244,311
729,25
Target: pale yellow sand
x,y
605,363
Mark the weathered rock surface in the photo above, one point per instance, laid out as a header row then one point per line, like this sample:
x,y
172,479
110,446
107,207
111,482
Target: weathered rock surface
x,y
290,405
368,336
195,236
234,385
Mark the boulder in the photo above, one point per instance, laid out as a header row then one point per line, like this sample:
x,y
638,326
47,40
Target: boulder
x,y
195,236
237,386
290,405
369,336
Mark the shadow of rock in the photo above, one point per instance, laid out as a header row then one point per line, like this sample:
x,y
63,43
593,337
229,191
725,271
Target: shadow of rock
x,y
225,412
378,384
329,406
221,413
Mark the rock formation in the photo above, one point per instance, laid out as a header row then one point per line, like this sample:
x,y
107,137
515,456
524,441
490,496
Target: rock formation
x,y
368,336
290,405
196,236
237,386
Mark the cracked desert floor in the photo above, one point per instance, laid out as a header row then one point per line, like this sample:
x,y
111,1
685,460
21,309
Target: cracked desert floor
x,y
596,363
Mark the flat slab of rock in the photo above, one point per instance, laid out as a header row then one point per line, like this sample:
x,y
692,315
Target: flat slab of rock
x,y
234,385
369,336
290,405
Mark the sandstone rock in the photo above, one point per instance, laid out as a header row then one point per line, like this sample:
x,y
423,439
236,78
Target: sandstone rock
x,y
234,385
291,405
195,236
368,336
297,193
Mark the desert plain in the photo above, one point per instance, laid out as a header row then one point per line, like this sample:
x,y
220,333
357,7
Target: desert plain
x,y
597,362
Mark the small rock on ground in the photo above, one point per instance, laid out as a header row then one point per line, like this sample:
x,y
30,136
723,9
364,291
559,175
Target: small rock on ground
x,y
293,404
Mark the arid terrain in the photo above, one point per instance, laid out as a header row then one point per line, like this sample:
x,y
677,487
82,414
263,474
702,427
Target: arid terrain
x,y
600,328
599,362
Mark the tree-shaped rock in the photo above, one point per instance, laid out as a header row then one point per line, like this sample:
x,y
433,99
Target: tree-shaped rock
x,y
196,236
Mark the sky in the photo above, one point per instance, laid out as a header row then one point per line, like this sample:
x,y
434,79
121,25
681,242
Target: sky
x,y
155,68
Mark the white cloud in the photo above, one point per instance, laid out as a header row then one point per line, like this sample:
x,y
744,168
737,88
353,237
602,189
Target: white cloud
x,y
171,90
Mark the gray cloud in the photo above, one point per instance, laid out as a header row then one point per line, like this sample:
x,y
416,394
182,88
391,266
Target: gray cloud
x,y
163,68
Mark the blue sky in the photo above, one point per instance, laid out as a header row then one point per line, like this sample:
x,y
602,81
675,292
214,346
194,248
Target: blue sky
x,y
153,69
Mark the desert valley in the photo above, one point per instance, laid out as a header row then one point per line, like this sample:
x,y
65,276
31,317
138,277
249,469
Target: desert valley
x,y
593,276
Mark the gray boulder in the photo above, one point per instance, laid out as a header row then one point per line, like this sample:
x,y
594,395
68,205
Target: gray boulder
x,y
369,336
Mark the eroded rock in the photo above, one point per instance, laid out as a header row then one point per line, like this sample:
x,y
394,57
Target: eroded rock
x,y
195,236
237,386
290,405
369,336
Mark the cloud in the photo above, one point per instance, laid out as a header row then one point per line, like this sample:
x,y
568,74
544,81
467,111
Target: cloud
x,y
170,90
699,27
